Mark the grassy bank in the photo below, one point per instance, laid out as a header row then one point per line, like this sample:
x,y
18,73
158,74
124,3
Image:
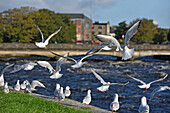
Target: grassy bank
x,y
24,103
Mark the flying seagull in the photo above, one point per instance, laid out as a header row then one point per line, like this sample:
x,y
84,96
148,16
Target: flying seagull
x,y
111,41
147,86
105,85
158,89
44,42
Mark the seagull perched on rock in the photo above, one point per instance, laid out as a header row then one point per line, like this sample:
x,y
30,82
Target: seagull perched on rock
x,y
23,85
158,89
61,96
17,86
87,98
67,92
31,87
111,41
5,88
44,42
147,86
144,107
114,106
57,90
105,85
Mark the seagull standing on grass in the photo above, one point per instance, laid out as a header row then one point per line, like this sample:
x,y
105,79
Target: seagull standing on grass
x,y
5,88
147,86
105,85
87,98
2,80
144,107
17,86
114,106
158,89
44,42
57,90
111,41
31,87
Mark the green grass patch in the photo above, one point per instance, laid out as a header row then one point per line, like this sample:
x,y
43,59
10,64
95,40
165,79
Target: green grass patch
x,y
86,108
24,103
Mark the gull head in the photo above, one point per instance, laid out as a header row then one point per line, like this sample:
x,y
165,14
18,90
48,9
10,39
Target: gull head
x,y
143,101
67,88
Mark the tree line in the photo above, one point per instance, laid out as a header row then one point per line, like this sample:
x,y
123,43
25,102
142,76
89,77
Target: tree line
x,y
148,32
16,25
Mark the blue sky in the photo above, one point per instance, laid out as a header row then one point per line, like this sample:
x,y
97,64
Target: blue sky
x,y
114,11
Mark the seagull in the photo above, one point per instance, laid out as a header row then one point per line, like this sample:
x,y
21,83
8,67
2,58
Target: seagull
x,y
87,98
56,73
7,68
144,107
23,85
147,86
17,86
57,90
78,64
105,85
2,80
67,92
111,41
114,106
61,96
5,88
44,42
26,66
158,89
47,65
31,87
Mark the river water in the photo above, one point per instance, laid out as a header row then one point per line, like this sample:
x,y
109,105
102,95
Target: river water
x,y
145,68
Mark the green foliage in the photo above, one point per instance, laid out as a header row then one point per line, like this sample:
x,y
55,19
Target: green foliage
x,y
17,25
24,103
121,29
160,36
146,32
168,36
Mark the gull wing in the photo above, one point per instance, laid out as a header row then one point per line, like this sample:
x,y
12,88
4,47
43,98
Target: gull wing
x,y
36,83
17,68
64,56
108,40
97,47
40,32
159,79
47,40
98,77
158,89
123,83
137,80
46,65
7,68
60,61
132,31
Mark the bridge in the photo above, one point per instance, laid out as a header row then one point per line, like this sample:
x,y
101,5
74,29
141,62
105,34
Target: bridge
x,y
27,49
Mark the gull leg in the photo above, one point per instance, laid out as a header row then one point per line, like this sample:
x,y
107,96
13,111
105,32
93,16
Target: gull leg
x,y
77,70
146,89
115,111
82,69
104,92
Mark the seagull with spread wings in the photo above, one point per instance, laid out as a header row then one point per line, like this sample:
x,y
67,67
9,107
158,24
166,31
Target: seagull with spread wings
x,y
158,89
105,85
44,42
147,86
111,41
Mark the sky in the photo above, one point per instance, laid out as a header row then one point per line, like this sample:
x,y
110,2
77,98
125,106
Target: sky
x,y
114,11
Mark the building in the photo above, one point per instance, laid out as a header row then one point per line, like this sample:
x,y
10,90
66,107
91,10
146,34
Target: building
x,y
83,27
100,28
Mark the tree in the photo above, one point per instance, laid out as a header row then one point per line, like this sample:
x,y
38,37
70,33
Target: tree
x,y
168,36
146,32
160,36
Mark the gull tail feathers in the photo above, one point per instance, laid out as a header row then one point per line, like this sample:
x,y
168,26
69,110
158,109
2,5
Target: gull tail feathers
x,y
127,53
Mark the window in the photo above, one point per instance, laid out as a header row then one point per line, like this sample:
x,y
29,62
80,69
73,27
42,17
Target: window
x,y
99,32
99,27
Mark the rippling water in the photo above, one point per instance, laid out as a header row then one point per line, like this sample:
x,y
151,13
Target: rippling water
x,y
113,71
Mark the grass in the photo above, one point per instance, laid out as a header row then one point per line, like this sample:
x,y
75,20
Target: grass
x,y
24,103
